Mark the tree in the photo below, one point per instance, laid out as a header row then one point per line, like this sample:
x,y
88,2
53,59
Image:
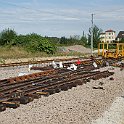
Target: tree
x,y
74,39
96,36
83,40
7,36
122,40
54,40
63,40
36,43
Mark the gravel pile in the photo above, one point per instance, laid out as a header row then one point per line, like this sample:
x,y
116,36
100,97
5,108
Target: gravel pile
x,y
79,105
76,48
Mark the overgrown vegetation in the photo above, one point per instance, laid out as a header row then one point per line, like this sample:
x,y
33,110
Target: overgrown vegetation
x,y
96,36
31,42
34,43
122,40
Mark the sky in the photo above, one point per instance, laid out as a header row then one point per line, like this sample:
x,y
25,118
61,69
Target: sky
x,y
58,18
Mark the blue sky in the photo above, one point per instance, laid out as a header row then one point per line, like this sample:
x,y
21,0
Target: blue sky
x,y
60,17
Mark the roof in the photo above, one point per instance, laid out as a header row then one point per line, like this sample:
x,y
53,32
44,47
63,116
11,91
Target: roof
x,y
102,33
110,30
120,34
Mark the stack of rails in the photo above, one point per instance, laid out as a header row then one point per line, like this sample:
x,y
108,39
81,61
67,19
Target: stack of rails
x,y
23,89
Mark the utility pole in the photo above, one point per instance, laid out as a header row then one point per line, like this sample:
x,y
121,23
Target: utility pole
x,y
92,35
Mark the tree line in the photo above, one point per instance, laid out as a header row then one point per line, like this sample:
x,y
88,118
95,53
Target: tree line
x,y
34,42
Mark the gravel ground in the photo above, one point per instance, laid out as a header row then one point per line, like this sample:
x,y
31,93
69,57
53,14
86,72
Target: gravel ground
x,y
77,48
115,115
38,59
7,72
79,105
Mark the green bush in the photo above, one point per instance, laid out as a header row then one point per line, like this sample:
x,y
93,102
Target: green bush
x,y
35,43
7,36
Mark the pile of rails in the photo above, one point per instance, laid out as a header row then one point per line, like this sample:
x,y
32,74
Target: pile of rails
x,y
34,62
23,89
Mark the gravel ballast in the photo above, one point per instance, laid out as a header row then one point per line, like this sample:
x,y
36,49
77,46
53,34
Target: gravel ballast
x,y
79,105
115,114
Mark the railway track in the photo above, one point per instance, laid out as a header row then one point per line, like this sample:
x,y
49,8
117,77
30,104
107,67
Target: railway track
x,y
48,62
23,89
35,62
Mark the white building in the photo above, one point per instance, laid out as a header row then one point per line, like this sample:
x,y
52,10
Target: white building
x,y
109,36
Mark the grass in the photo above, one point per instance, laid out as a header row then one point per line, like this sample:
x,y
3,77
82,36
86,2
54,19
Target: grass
x,y
18,52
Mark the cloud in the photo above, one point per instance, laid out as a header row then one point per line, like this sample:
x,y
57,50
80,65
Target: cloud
x,y
35,15
31,15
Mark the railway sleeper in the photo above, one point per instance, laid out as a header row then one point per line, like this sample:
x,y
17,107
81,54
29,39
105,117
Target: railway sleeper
x,y
64,87
79,82
24,100
97,77
69,85
30,98
12,104
74,84
57,89
43,93
2,107
103,75
16,94
50,91
4,81
35,95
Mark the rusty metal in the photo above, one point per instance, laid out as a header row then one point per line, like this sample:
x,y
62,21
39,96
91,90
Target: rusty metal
x,y
2,107
35,62
23,89
65,61
26,77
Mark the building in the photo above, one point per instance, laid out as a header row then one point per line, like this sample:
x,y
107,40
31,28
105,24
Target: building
x,y
102,37
120,36
109,36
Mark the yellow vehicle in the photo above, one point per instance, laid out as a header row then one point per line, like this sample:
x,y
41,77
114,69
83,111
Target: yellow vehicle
x,y
111,50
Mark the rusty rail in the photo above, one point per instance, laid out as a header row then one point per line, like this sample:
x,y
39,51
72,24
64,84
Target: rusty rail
x,y
23,89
